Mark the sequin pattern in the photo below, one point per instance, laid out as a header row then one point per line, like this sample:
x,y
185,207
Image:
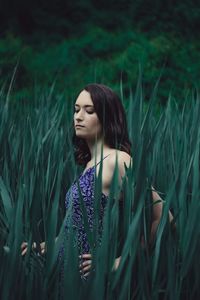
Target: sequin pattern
x,y
86,184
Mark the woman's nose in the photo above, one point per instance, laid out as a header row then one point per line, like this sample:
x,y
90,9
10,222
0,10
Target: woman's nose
x,y
79,115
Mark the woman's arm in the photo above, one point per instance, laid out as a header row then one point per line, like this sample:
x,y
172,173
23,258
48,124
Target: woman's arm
x,y
157,213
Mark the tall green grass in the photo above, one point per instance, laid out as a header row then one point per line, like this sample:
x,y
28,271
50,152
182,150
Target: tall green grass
x,y
36,169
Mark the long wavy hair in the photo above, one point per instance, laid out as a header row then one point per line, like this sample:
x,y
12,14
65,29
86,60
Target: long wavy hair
x,y
111,115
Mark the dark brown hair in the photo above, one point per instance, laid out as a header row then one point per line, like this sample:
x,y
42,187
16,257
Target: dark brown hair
x,y
111,115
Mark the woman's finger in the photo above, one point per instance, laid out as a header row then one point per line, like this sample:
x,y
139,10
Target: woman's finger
x,y
87,268
85,256
116,263
24,245
42,247
34,246
85,263
24,251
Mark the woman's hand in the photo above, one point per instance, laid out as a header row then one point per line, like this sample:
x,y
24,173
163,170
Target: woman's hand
x,y
24,248
85,264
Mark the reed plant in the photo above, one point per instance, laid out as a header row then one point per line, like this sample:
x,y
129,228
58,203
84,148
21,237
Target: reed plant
x,y
37,167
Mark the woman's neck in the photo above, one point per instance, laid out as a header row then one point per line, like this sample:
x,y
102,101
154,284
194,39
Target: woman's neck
x,y
97,149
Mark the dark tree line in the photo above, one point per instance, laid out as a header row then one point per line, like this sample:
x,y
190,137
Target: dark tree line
x,y
66,17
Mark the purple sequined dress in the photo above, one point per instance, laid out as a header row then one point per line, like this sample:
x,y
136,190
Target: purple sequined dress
x,y
86,183
74,221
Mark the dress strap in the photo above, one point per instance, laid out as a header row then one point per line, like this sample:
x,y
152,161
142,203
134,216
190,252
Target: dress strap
x,y
102,159
86,170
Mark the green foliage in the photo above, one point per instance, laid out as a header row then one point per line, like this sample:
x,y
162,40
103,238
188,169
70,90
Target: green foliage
x,y
103,56
37,167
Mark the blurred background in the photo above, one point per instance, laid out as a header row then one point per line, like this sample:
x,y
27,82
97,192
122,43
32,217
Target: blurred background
x,y
71,43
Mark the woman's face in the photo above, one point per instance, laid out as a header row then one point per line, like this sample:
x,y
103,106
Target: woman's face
x,y
86,122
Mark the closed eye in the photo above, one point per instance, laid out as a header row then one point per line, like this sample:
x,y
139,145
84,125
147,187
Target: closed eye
x,y
90,111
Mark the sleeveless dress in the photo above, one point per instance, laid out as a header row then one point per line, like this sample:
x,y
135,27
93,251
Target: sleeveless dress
x,y
86,183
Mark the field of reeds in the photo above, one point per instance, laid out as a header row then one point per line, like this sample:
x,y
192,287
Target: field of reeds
x,y
36,169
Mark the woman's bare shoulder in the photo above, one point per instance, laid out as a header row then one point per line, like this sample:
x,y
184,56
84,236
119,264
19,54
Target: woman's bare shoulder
x,y
119,157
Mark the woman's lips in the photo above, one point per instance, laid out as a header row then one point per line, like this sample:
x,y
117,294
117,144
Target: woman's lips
x,y
79,126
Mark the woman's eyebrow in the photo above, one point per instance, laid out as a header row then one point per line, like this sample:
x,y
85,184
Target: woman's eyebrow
x,y
84,105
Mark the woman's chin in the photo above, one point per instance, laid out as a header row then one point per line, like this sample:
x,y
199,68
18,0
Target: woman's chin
x,y
80,135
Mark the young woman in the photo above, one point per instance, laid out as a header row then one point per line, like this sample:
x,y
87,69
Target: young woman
x,y
100,131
